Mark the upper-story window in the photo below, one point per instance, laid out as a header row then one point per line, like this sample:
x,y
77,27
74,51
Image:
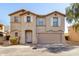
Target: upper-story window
x,y
28,19
55,22
16,19
40,22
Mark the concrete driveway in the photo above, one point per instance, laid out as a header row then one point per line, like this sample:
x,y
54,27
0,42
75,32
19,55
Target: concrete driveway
x,y
21,50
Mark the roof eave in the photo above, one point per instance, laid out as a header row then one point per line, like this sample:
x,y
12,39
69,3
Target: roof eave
x,y
22,10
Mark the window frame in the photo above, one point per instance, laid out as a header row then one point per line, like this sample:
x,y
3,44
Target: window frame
x,y
16,19
40,22
59,22
55,22
27,19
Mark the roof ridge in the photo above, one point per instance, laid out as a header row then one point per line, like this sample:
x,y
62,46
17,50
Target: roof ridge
x,y
23,10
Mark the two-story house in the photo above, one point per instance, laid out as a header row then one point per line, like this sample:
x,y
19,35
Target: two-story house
x,y
1,30
38,29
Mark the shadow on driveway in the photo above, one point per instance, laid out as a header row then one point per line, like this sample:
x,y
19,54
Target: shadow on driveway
x,y
59,49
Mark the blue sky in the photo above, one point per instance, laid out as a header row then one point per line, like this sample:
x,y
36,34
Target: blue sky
x,y
39,8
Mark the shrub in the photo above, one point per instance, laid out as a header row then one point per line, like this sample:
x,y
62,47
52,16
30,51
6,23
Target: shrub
x,y
13,40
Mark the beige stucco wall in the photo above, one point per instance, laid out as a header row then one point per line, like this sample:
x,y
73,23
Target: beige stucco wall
x,y
29,26
48,26
22,26
74,36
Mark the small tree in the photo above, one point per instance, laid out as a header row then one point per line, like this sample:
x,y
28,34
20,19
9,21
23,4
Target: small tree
x,y
72,14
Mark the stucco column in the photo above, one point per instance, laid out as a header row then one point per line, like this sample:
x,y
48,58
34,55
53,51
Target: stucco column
x,y
63,39
22,35
34,41
22,40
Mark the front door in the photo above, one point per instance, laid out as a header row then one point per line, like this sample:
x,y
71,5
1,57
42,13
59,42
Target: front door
x,y
28,37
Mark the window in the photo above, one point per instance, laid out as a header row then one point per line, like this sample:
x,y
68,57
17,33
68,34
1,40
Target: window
x,y
16,34
16,19
40,22
55,21
28,19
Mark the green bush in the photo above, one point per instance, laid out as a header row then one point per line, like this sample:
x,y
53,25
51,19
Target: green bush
x,y
13,40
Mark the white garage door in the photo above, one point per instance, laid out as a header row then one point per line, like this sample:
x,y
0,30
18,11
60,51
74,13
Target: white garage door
x,y
47,38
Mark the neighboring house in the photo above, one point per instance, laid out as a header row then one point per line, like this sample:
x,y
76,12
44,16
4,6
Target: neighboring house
x,y
4,30
1,30
7,30
73,34
38,29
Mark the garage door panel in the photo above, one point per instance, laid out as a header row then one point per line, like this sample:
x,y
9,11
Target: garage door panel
x,y
49,38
